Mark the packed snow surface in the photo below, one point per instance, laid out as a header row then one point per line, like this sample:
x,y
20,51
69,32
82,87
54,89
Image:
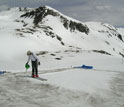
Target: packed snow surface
x,y
66,86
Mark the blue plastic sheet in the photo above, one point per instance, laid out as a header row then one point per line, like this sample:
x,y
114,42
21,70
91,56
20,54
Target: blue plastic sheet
x,y
85,67
2,72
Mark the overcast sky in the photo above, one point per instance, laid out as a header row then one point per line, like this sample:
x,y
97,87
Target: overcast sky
x,y
108,11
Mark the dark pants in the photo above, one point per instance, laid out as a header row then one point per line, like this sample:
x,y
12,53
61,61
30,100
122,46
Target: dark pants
x,y
34,68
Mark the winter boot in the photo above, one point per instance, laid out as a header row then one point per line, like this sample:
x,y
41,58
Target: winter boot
x,y
33,76
37,75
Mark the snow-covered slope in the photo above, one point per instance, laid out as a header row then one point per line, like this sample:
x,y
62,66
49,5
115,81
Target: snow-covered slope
x,y
67,87
46,29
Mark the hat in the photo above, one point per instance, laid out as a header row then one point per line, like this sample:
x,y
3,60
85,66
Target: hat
x,y
28,52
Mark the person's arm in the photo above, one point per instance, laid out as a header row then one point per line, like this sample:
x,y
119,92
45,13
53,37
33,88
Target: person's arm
x,y
28,59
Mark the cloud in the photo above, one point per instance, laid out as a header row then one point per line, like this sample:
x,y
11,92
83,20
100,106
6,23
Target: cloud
x,y
105,7
22,3
3,7
107,12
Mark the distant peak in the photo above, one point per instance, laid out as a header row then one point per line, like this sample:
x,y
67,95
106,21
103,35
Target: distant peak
x,y
41,12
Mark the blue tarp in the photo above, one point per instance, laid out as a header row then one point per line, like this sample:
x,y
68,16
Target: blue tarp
x,y
85,67
2,72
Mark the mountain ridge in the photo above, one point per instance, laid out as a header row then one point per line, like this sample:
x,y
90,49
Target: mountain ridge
x,y
49,29
42,12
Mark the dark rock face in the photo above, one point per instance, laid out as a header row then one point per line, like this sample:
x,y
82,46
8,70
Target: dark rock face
x,y
78,26
120,37
121,54
39,13
102,52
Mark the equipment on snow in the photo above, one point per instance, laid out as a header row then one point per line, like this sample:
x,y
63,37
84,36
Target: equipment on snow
x,y
35,76
38,78
42,79
2,72
27,66
85,67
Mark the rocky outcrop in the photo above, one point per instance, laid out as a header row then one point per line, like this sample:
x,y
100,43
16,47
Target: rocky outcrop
x,y
40,13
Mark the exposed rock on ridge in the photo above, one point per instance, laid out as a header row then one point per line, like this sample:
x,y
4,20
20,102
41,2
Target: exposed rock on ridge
x,y
40,13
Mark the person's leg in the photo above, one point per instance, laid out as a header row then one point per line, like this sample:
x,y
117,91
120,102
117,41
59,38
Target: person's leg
x,y
36,69
33,68
32,71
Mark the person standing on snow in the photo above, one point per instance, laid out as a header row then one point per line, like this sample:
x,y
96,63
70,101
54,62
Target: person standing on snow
x,y
35,62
